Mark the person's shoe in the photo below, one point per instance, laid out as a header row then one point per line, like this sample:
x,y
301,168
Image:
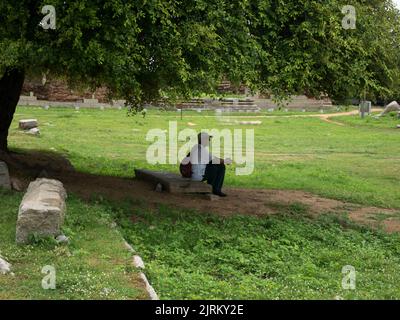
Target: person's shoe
x,y
220,194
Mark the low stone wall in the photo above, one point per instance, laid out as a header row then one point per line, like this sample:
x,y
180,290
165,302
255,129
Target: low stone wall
x,y
58,90
42,210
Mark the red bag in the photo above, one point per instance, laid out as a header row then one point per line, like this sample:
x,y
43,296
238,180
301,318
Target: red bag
x,y
186,167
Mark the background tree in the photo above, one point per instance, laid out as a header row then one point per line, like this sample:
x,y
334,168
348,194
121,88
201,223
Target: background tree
x,y
147,50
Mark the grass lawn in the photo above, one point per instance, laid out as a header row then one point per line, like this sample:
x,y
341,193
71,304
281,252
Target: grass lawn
x,y
190,255
354,163
95,265
203,256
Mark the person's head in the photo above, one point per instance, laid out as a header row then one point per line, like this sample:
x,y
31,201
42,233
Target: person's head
x,y
204,138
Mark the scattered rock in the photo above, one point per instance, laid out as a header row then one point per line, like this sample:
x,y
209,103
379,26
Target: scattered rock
x,y
5,267
393,106
398,126
191,124
42,210
33,131
4,176
62,239
138,262
28,124
129,247
150,290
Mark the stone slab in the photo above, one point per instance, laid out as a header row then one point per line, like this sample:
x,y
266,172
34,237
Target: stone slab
x,y
28,124
172,183
42,210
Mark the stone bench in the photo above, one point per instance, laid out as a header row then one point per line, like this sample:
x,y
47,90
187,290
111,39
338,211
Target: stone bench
x,y
172,183
42,210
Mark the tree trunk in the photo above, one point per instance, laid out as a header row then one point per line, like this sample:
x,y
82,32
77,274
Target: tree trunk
x,y
10,90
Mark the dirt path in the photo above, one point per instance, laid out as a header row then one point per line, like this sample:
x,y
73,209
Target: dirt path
x,y
258,202
240,201
325,117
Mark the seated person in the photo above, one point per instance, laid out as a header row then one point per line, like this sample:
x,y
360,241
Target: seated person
x,y
206,167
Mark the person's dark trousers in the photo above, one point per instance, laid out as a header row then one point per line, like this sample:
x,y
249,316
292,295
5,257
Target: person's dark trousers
x,y
215,175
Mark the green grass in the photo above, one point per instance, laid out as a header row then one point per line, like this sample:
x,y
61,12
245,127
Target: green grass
x,y
358,163
94,265
202,256
190,255
390,121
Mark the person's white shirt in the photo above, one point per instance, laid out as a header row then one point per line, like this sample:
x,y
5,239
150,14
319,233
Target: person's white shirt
x,y
199,158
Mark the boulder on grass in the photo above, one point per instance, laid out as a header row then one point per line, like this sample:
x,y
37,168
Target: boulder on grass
x,y
28,124
4,176
42,210
391,107
33,131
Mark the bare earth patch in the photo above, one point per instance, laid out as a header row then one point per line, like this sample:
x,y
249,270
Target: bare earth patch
x,y
257,202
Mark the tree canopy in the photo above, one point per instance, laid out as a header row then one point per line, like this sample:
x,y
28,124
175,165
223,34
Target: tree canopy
x,y
145,50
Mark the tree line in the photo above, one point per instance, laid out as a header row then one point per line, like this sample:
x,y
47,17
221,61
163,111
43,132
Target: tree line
x,y
151,50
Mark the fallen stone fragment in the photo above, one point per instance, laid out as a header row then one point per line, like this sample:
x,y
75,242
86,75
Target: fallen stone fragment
x,y
62,239
138,262
28,124
150,290
42,210
33,131
391,107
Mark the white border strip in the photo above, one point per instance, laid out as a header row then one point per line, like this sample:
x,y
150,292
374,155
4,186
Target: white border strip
x,y
138,263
